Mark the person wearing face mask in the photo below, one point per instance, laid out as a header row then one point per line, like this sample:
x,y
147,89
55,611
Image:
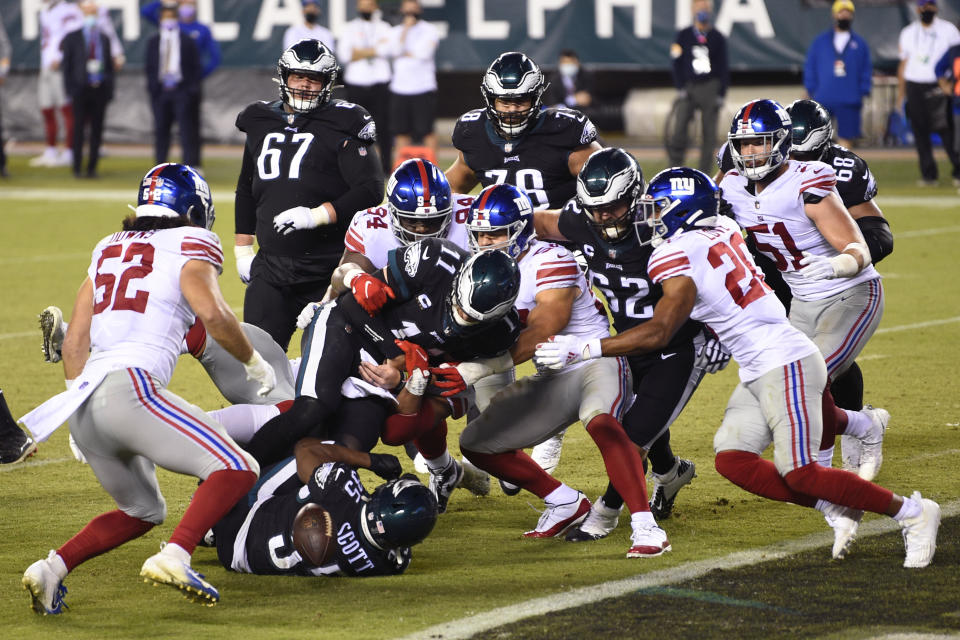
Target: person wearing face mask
x,y
364,49
310,28
413,88
207,48
701,74
88,79
922,44
572,85
837,73
174,74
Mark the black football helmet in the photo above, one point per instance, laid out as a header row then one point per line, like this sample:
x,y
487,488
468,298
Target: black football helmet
x,y
309,58
609,179
812,129
171,190
400,513
512,77
485,287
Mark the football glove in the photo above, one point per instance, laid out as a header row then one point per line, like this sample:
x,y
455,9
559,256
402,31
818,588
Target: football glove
x,y
369,292
306,315
712,357
260,371
417,382
385,465
415,357
296,218
817,267
454,378
244,255
564,350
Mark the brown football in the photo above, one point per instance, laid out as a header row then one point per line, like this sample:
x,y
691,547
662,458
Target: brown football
x,y
313,534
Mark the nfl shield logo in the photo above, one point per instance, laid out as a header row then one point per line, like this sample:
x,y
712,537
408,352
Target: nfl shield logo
x,y
290,118
612,253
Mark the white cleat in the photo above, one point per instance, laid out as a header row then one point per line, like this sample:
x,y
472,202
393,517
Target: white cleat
x,y
648,542
45,587
871,445
165,568
52,326
47,159
547,453
844,521
600,522
850,453
557,518
920,533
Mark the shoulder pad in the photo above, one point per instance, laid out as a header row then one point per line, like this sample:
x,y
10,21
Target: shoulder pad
x,y
575,127
468,124
351,118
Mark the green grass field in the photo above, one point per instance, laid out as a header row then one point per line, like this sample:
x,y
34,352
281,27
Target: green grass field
x,y
476,561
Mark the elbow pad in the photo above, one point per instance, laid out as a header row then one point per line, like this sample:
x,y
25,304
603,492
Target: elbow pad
x,y
876,232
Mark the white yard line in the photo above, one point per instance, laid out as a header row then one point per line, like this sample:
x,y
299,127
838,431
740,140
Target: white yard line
x,y
33,463
471,625
918,325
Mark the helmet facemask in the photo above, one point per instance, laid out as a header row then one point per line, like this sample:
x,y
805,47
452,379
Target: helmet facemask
x,y
608,191
312,59
425,222
757,166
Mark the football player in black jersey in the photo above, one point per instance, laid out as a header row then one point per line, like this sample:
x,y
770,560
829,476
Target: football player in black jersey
x,y
600,222
431,293
309,163
812,134
372,533
514,140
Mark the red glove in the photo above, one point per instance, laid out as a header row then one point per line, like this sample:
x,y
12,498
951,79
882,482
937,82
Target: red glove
x,y
369,292
449,379
415,356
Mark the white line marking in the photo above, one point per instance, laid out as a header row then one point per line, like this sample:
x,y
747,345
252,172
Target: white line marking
x,y
918,325
920,233
471,625
32,463
947,203
64,194
50,257
20,334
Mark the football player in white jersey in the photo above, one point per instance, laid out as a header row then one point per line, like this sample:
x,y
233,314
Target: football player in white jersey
x,y
144,287
707,274
793,213
554,297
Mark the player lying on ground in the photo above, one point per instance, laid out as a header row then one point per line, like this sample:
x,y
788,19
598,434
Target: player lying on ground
x,y
143,287
311,516
706,272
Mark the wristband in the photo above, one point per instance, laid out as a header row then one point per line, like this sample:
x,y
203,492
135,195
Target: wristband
x,y
845,265
350,275
321,215
241,251
860,249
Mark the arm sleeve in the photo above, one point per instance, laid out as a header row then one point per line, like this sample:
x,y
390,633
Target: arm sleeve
x,y
245,213
676,55
360,166
373,329
876,232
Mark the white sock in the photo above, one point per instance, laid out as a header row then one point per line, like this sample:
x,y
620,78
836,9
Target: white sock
x,y
440,463
243,420
910,509
178,552
825,457
821,505
642,520
858,424
58,566
561,495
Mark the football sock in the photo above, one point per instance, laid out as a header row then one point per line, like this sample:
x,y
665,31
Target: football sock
x,y
67,111
7,423
834,420
516,467
105,532
642,520
825,457
561,495
243,420
622,460
910,509
858,424
401,428
275,439
213,499
661,455
50,127
847,389
611,498
758,476
433,443
439,463
839,487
